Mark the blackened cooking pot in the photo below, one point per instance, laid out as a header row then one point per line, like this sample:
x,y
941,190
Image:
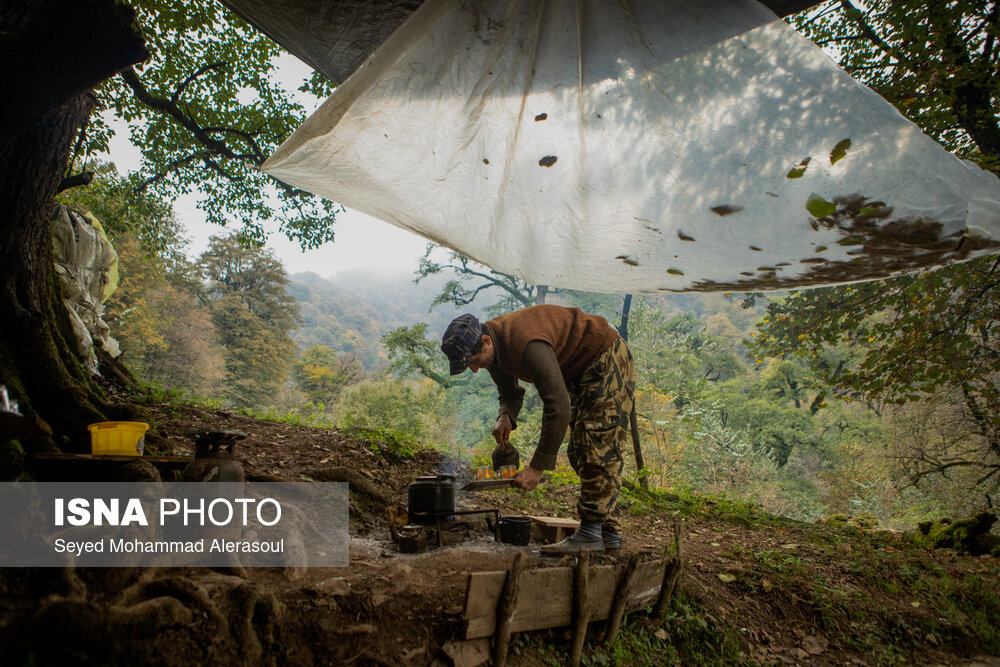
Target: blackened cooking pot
x,y
428,498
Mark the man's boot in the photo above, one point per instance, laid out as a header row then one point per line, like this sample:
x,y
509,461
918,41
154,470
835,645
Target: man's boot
x,y
612,539
586,538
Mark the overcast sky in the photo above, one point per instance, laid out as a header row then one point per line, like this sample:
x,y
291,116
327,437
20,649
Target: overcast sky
x,y
362,242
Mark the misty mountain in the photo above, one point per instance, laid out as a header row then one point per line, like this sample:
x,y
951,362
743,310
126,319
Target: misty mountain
x,y
351,311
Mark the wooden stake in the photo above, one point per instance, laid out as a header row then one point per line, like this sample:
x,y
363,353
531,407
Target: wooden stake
x,y
580,616
505,611
622,595
670,573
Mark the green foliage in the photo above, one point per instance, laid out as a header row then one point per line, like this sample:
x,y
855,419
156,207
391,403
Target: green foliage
x,y
123,212
412,353
693,635
933,335
205,111
313,419
413,408
935,63
253,316
165,333
322,374
909,338
675,355
394,442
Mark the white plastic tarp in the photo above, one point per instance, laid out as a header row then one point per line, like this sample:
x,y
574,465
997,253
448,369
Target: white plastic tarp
x,y
638,146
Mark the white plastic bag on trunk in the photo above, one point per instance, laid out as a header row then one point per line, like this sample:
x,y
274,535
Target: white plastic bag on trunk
x,y
638,146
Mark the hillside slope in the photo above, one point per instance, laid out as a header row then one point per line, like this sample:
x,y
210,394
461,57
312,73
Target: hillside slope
x,y
755,589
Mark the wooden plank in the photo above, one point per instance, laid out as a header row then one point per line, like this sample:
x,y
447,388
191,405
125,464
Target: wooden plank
x,y
645,584
166,462
581,615
505,611
545,599
555,521
552,529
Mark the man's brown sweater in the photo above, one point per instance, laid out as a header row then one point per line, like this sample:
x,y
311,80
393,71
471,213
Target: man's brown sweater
x,y
549,346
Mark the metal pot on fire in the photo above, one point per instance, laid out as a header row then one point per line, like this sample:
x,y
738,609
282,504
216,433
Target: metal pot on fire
x,y
431,497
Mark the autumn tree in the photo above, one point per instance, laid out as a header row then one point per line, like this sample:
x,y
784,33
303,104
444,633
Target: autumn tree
x,y
322,374
253,315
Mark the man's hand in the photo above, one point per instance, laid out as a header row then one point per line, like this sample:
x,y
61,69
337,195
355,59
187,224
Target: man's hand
x,y
501,432
527,478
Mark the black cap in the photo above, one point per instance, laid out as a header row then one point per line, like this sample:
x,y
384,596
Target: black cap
x,y
459,339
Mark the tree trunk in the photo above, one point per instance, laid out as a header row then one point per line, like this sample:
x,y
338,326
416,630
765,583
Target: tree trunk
x,y
66,52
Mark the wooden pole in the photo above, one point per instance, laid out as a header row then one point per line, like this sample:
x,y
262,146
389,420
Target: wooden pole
x,y
580,616
671,572
505,611
640,463
632,418
621,598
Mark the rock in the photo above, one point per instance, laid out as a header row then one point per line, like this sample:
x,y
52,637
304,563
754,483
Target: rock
x,y
468,653
970,535
814,645
864,521
337,586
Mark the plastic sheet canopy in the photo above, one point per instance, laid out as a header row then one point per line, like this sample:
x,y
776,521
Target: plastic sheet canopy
x,y
639,146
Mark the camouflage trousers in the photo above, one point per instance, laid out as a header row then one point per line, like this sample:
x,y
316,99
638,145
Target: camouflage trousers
x,y
602,402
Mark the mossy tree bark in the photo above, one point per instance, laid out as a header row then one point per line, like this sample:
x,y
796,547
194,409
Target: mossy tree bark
x,y
54,52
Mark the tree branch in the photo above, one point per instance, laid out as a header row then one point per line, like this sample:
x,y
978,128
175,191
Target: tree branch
x,y
171,109
170,168
992,21
857,16
187,81
83,178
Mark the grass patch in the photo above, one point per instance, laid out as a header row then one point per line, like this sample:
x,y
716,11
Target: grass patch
x,y
385,441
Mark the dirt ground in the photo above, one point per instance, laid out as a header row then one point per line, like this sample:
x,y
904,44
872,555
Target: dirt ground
x,y
389,608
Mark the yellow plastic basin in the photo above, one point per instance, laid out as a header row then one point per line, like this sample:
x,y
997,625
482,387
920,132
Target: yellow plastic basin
x,y
117,438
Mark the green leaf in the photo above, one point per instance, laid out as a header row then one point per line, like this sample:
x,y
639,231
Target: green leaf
x,y
840,150
727,578
800,169
819,207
